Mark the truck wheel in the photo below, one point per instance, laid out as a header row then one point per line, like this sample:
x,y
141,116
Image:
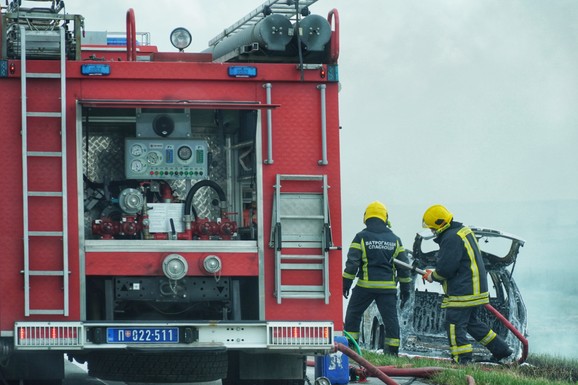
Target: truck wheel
x,y
171,366
33,382
33,367
233,377
264,382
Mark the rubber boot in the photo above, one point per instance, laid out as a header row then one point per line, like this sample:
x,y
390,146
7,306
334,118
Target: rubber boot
x,y
499,349
391,350
463,359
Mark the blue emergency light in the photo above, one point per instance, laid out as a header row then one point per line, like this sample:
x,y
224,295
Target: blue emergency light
x,y
95,69
116,41
3,68
242,71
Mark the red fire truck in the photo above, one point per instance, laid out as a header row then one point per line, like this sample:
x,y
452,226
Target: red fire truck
x,y
171,216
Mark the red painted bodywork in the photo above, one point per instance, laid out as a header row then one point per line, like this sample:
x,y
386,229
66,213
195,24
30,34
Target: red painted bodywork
x,y
297,149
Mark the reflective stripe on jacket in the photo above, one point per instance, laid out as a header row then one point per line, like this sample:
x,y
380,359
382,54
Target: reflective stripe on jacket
x,y
460,268
370,257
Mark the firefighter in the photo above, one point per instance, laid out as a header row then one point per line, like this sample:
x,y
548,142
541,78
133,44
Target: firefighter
x,y
370,259
460,269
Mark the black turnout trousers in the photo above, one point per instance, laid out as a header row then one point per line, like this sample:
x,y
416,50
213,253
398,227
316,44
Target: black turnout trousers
x,y
386,301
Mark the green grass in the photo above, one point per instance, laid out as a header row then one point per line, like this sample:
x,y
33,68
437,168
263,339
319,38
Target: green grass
x,y
538,370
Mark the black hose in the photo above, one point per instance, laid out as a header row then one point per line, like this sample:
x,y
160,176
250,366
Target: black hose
x,y
195,188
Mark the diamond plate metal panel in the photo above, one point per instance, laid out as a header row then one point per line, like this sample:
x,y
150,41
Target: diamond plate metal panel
x,y
301,217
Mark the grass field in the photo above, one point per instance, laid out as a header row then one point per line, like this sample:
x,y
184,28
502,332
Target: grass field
x,y
537,370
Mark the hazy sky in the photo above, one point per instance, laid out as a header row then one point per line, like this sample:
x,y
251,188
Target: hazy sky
x,y
442,100
468,103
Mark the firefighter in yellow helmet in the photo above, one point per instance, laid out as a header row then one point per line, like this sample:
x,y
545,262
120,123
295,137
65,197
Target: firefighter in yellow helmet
x,y
370,259
461,271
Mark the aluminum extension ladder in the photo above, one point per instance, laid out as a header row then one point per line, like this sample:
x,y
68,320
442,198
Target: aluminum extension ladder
x,y
301,221
32,121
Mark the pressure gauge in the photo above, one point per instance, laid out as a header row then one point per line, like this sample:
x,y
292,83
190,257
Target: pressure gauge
x,y
137,166
136,150
185,153
153,158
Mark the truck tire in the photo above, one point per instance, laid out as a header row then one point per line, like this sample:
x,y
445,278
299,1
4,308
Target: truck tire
x,y
33,367
263,382
32,382
154,367
233,377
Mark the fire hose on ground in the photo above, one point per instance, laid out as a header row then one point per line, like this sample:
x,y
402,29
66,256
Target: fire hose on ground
x,y
489,307
384,372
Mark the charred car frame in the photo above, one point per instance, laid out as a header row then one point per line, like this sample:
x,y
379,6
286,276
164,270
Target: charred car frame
x,y
422,318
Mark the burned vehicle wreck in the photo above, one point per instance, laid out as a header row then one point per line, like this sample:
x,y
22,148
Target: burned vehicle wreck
x,y
422,318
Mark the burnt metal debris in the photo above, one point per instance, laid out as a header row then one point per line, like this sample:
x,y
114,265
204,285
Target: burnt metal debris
x,y
422,319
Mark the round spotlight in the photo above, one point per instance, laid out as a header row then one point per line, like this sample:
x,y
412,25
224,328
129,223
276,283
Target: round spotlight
x,y
212,264
175,266
163,125
181,38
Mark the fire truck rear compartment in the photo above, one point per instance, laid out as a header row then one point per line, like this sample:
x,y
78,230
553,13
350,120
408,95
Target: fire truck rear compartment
x,y
220,145
127,163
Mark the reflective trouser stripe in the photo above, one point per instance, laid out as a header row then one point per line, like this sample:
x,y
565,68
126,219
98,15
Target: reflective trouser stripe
x,y
391,285
453,335
456,350
392,341
488,338
466,300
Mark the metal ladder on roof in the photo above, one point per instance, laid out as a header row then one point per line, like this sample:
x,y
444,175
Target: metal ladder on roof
x,y
32,124
282,7
301,221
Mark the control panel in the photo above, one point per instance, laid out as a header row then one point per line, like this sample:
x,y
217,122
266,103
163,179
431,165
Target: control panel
x,y
157,158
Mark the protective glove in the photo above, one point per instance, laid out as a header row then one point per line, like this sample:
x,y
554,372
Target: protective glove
x,y
346,286
427,276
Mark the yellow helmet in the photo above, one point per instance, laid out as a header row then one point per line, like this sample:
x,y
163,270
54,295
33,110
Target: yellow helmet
x,y
437,218
375,209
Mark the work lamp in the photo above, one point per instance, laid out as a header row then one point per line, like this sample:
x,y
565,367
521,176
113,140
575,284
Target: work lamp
x,y
181,38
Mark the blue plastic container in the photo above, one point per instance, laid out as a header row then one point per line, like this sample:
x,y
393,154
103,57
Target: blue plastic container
x,y
334,366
